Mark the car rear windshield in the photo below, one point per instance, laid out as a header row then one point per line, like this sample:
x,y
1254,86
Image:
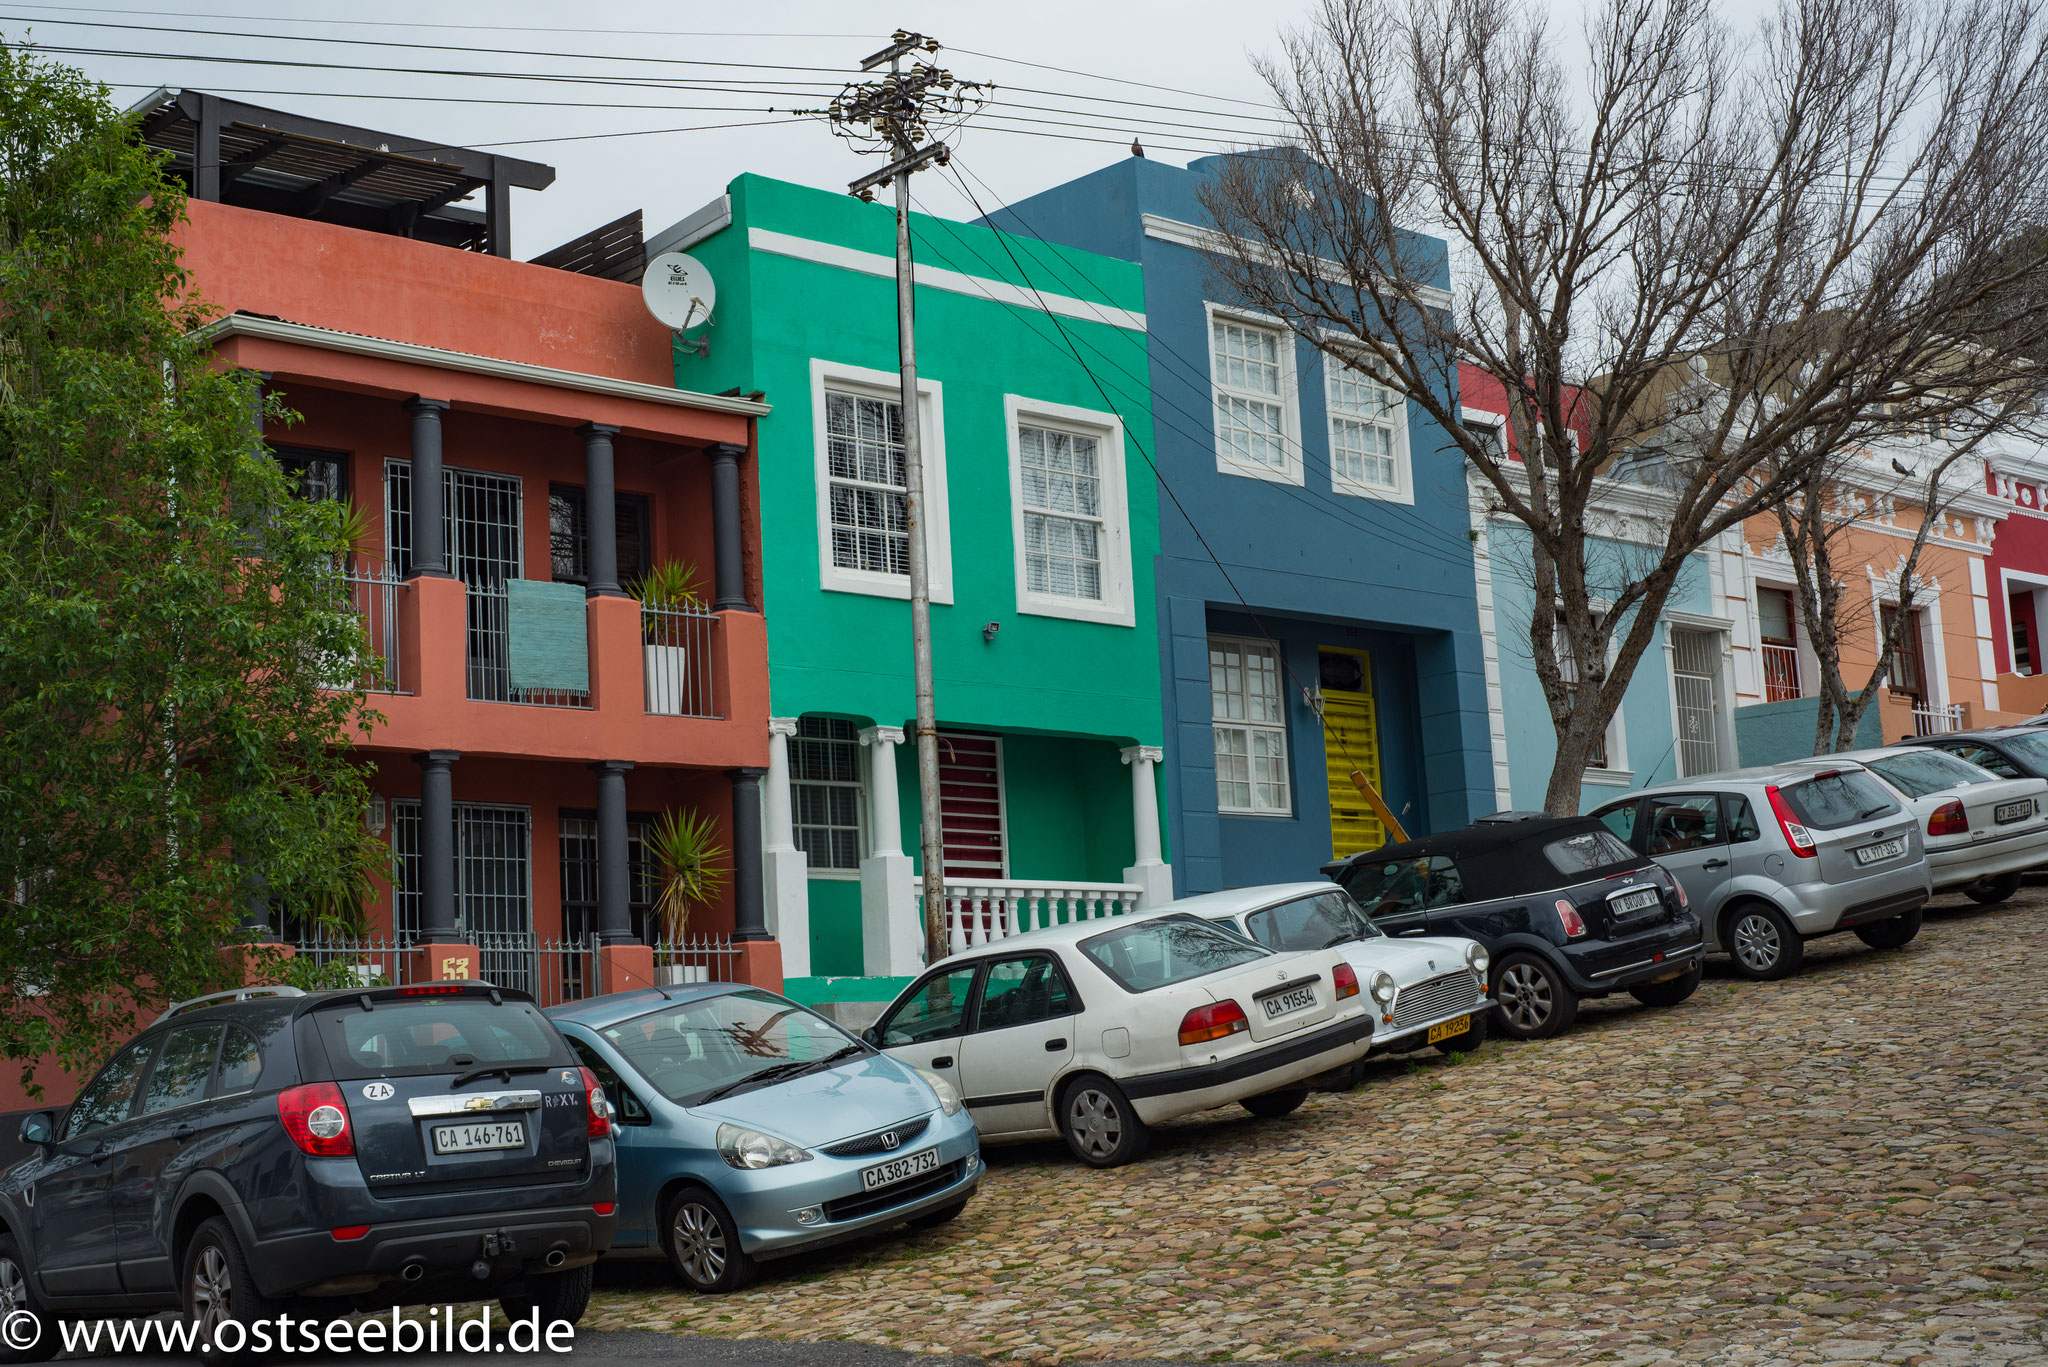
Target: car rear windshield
x,y
694,1050
1928,771
2032,749
1843,798
1162,951
434,1034
1586,851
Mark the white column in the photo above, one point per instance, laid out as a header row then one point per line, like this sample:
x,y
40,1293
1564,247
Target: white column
x,y
1153,876
892,940
785,872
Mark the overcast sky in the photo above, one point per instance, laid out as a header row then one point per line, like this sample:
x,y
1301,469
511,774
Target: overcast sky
x,y
1199,46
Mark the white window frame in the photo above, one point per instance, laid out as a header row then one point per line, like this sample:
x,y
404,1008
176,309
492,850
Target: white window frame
x,y
1249,644
1402,490
938,540
1289,396
1116,607
859,783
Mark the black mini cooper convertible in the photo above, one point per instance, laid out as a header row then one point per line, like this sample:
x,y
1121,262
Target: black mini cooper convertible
x,y
1566,911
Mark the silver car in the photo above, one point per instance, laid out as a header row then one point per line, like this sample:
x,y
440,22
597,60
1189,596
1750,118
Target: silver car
x,y
1772,857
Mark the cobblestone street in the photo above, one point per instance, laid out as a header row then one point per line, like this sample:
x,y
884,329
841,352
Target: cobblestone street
x,y
1849,1166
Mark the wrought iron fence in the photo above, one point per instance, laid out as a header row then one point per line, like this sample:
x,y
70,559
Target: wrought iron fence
x,y
695,959
490,655
565,971
344,961
676,654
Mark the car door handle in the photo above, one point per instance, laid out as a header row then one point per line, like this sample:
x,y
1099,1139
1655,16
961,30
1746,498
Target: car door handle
x,y
183,1133
1714,864
1053,1046
943,1061
1414,930
101,1154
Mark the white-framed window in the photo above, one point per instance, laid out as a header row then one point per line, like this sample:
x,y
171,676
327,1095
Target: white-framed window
x,y
1248,712
825,793
1368,434
1251,372
863,491
1069,512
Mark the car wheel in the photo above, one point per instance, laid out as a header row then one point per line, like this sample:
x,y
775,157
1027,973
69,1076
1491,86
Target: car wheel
x,y
560,1297
704,1244
933,1218
1992,890
1099,1124
217,1288
1531,999
1671,991
19,1312
1762,943
1273,1105
1891,932
1474,1036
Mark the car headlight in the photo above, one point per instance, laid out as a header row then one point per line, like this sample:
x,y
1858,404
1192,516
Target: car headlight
x,y
744,1148
949,1095
1476,958
1383,987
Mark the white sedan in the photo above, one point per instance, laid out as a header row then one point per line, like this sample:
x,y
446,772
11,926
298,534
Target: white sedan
x,y
1097,1030
1981,831
1427,990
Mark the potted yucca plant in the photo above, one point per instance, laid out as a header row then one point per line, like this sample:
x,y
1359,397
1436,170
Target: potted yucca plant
x,y
670,585
692,868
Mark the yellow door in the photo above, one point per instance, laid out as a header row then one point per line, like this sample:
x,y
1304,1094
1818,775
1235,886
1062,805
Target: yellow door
x,y
1350,741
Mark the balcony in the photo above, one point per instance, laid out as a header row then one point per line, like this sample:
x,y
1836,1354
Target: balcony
x,y
984,911
1781,673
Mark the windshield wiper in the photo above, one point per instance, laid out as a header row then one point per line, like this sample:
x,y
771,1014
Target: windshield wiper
x,y
773,1071
1343,938
837,1054
1865,816
504,1070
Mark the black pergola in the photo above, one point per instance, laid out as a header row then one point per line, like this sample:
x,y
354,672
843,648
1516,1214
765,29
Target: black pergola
x,y
243,154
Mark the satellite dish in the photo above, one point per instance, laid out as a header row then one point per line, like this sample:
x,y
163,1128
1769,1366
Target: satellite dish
x,y
678,290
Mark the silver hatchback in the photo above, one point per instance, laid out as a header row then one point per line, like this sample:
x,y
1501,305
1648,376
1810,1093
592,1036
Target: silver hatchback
x,y
1772,857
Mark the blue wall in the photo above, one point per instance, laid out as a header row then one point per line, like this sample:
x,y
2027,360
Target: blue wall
x,y
1772,732
1302,564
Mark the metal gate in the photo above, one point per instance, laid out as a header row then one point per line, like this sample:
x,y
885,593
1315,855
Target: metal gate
x,y
493,885
1695,670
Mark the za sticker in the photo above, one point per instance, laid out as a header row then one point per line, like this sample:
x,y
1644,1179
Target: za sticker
x,y
378,1091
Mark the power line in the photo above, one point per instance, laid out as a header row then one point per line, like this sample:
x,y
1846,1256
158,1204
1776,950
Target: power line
x,y
486,28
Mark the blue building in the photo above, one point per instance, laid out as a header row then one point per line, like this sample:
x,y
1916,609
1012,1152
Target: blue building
x,y
1315,580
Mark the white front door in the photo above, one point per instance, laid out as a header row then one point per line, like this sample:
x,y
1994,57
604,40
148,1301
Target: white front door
x,y
1023,1037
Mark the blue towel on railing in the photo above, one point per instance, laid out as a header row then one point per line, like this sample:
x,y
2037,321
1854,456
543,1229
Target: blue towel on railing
x,y
548,632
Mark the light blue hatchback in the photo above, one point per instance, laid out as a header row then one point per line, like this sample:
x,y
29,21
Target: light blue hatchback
x,y
750,1128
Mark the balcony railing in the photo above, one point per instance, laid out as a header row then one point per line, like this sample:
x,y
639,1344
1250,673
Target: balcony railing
x,y
374,595
676,647
1933,720
1781,673
981,912
490,655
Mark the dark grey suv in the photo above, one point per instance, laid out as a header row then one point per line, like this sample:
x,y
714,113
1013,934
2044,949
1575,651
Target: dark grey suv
x,y
336,1151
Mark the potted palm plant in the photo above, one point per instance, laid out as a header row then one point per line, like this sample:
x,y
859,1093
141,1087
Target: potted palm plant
x,y
663,592
692,868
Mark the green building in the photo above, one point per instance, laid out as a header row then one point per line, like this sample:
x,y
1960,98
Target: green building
x,y
1041,537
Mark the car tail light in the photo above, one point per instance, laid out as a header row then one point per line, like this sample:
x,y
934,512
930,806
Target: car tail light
x,y
1346,979
604,1207
1949,819
597,1110
1574,924
432,990
1796,835
1218,1020
349,1233
316,1117
1684,902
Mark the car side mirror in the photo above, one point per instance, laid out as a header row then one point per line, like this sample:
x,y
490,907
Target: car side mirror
x,y
39,1128
872,1035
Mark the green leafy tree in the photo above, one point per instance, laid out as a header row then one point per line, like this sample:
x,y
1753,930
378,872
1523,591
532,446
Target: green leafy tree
x,y
179,667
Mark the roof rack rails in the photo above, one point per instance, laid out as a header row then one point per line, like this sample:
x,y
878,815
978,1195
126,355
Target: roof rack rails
x,y
233,994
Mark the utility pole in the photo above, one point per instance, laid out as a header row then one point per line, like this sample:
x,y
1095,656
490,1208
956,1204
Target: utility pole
x,y
894,113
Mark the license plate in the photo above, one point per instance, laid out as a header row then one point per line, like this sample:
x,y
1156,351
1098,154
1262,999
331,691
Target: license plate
x,y
497,1134
1294,999
1449,1029
899,1169
1870,854
1634,900
2006,812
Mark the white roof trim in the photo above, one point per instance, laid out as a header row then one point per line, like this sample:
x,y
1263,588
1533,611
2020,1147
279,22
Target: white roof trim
x,y
932,277
411,353
1223,244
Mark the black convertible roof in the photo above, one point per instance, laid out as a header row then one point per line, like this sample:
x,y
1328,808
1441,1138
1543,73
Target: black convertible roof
x,y
1495,858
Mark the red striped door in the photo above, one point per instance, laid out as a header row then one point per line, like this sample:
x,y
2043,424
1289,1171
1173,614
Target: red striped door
x,y
971,805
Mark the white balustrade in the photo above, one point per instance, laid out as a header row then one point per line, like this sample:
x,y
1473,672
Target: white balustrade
x,y
983,911
1935,721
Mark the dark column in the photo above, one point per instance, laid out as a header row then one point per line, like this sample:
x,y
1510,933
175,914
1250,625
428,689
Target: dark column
x,y
729,580
749,915
206,150
429,511
600,512
498,212
437,847
614,876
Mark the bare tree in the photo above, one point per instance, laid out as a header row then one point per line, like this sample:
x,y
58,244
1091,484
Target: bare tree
x,y
1737,251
